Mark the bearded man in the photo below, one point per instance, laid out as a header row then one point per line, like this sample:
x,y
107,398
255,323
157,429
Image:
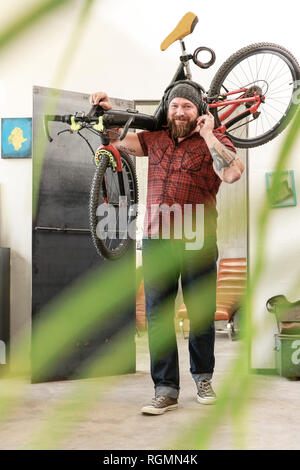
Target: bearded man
x,y
188,160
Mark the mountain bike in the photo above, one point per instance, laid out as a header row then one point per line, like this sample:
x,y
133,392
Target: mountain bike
x,y
252,98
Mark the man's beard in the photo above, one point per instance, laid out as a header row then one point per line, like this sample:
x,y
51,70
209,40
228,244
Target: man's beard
x,y
181,127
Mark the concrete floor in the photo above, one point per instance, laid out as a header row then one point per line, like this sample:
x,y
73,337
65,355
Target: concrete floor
x,y
51,415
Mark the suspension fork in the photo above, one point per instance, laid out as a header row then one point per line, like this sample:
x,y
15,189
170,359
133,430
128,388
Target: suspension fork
x,y
116,164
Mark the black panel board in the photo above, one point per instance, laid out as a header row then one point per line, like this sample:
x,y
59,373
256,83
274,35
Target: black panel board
x,y
62,258
67,261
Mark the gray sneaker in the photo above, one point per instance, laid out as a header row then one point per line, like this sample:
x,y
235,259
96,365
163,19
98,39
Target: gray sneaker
x,y
160,405
205,394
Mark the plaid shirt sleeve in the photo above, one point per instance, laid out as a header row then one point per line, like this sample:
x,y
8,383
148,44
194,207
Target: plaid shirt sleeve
x,y
145,138
225,140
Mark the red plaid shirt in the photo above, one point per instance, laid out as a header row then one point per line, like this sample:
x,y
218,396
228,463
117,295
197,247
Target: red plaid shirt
x,y
180,174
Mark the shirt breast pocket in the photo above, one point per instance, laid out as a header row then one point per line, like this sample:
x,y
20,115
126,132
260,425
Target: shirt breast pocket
x,y
157,153
192,162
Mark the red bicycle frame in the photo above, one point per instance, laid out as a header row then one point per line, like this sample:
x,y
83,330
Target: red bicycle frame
x,y
233,105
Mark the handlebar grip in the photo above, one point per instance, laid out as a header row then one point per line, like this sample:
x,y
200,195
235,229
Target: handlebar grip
x,y
54,117
59,118
46,128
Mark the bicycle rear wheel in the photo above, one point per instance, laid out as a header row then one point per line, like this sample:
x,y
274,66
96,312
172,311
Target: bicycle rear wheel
x,y
262,68
112,214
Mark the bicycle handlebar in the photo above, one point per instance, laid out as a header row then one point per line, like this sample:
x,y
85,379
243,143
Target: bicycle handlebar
x,y
110,118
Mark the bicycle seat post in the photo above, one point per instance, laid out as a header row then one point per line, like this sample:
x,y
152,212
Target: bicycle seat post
x,y
185,63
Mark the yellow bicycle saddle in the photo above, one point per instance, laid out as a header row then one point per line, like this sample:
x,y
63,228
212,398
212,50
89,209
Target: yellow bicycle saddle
x,y
185,26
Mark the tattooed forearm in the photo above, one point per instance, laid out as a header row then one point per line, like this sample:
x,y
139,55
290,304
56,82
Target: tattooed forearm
x,y
226,163
127,149
130,144
222,158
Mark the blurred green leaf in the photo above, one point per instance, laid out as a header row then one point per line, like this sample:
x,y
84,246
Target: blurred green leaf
x,y
32,14
99,294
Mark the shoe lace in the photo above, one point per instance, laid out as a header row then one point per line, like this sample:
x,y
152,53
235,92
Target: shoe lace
x,y
205,386
158,400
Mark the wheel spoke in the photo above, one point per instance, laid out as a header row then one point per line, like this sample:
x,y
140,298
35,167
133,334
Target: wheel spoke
x,y
268,76
236,86
273,107
258,72
267,72
246,76
279,87
271,115
280,76
277,100
283,97
240,84
250,69
263,111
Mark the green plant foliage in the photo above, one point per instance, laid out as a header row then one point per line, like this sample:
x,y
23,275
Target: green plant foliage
x,y
98,296
32,14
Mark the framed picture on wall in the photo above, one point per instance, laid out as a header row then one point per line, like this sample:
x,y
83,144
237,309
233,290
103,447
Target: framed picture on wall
x,y
285,194
16,137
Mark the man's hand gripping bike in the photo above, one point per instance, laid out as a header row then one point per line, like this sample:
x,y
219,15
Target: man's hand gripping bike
x,y
252,97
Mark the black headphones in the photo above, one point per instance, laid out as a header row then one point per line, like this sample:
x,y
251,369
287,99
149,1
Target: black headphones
x,y
161,112
202,106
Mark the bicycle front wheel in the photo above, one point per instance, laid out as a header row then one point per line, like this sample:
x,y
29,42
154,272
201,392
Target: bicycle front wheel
x,y
112,210
266,69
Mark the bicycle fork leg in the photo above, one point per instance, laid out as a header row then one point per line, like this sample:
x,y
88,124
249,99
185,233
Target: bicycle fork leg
x,y
121,183
104,191
121,187
116,156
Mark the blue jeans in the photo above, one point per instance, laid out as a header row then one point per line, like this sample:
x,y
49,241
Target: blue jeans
x,y
163,263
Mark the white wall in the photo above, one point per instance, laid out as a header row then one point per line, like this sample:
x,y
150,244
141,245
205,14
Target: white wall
x,y
119,52
281,274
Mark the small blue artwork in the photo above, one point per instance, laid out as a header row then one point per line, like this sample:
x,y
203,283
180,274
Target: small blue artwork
x,y
16,137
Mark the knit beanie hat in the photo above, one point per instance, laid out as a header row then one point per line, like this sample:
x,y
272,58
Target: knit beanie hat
x,y
187,91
